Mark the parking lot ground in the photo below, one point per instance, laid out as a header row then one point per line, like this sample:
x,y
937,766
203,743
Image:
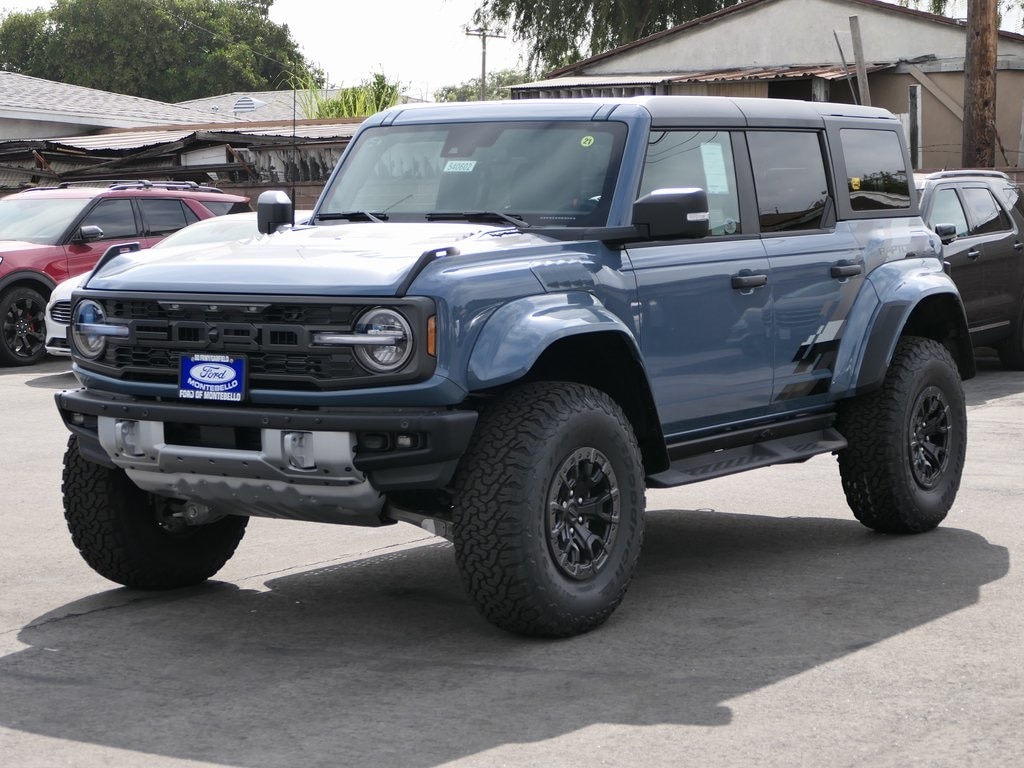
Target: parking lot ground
x,y
765,627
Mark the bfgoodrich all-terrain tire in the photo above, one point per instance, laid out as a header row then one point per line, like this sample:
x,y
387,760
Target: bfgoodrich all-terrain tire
x,y
549,510
907,442
125,534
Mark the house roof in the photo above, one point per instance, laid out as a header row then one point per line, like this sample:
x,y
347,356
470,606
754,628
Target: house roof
x,y
745,6
31,98
269,105
737,74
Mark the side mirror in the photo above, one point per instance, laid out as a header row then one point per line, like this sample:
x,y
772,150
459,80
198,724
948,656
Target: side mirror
x,y
946,233
671,214
273,209
88,233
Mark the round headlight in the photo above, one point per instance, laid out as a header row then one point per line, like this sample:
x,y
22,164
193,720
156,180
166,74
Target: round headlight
x,y
87,315
395,345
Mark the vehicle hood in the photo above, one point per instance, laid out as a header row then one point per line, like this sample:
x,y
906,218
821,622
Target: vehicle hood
x,y
348,259
15,246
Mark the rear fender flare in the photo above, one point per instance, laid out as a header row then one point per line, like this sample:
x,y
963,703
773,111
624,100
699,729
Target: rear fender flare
x,y
899,296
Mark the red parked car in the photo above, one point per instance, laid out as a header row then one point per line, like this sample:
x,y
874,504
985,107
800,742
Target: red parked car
x,y
50,234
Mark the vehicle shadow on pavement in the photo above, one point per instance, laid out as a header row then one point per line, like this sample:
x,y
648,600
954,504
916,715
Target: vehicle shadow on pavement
x,y
992,381
384,661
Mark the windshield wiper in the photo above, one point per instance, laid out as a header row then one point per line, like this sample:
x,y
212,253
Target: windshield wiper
x,y
509,218
377,217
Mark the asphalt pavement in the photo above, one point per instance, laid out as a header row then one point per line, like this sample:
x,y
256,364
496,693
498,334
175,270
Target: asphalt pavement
x,y
765,627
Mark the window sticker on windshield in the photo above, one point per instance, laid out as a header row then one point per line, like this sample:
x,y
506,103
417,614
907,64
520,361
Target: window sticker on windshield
x,y
459,166
714,169
587,141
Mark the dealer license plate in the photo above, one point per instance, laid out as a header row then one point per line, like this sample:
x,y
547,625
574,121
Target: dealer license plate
x,y
212,377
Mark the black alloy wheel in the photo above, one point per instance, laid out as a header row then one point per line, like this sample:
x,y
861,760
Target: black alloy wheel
x,y
22,327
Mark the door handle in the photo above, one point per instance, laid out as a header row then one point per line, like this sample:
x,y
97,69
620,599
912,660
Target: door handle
x,y
748,280
847,269
973,254
1018,246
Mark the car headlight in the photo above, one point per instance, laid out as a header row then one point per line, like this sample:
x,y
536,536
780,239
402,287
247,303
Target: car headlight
x,y
393,340
89,329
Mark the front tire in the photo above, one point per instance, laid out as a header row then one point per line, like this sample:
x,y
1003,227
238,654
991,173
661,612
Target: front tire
x,y
549,510
126,535
22,326
907,442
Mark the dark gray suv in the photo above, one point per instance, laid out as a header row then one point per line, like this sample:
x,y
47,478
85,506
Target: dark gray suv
x,y
979,216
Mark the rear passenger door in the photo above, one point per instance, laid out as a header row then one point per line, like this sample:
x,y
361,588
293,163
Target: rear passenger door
x,y
704,305
816,266
993,233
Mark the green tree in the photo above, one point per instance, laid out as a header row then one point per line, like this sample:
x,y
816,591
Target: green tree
x,y
168,50
497,86
362,100
560,32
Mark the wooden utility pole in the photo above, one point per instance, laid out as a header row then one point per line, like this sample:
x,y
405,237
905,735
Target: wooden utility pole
x,y
483,33
979,142
859,63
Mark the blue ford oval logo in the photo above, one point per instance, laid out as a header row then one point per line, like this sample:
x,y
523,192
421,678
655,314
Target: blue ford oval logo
x,y
212,373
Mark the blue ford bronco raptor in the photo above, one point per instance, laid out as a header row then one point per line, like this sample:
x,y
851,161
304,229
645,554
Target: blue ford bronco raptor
x,y
504,322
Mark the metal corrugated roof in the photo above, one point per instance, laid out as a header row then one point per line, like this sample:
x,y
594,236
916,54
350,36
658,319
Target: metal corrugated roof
x,y
824,71
131,140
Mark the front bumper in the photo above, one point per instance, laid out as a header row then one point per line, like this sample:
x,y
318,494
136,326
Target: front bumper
x,y
328,465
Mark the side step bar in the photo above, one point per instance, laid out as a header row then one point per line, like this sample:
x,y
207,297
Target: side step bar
x,y
762,453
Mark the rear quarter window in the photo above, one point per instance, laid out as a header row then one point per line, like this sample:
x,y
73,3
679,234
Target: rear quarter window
x,y
876,170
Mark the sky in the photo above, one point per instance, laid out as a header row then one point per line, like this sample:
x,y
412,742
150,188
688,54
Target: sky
x,y
419,43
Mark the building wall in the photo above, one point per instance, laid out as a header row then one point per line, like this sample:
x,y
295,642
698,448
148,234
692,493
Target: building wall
x,y
11,128
778,33
942,130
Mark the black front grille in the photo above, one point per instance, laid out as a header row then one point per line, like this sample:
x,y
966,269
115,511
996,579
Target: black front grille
x,y
276,337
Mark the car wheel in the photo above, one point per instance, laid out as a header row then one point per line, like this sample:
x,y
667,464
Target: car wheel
x,y
22,326
129,536
549,510
907,442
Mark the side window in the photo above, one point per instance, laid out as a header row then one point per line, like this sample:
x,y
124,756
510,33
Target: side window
x,y
877,176
219,208
161,217
988,215
946,209
703,159
115,217
789,176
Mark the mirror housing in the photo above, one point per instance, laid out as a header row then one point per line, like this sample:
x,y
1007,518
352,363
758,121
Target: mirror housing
x,y
88,233
946,233
273,209
673,214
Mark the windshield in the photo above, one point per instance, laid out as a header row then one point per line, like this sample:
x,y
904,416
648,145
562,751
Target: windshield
x,y
542,173
37,220
221,229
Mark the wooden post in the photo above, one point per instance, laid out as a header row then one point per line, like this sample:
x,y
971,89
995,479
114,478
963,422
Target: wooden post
x,y
858,61
979,147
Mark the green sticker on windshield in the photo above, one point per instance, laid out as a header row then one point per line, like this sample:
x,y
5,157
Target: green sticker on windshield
x,y
587,141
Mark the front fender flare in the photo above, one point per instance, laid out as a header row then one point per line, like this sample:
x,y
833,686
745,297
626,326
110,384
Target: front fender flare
x,y
517,333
